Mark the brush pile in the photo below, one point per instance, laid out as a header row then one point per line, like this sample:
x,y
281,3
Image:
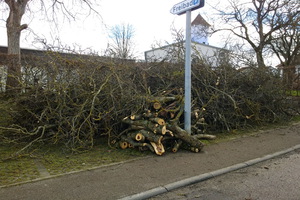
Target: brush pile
x,y
78,101
157,128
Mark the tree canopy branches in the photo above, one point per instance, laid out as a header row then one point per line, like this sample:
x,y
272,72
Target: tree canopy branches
x,y
257,22
121,45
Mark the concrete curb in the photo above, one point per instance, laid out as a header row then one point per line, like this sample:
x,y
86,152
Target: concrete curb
x,y
202,177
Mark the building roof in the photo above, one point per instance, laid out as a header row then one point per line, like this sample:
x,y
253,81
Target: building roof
x,y
193,43
199,20
44,53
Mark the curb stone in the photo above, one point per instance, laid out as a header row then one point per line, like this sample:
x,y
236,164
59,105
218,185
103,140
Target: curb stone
x,y
202,177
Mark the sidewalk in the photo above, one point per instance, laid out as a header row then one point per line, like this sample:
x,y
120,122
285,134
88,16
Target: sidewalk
x,y
129,178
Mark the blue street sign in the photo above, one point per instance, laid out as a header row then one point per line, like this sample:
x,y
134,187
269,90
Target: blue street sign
x,y
186,5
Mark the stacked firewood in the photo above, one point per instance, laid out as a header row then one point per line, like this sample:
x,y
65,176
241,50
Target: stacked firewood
x,y
157,128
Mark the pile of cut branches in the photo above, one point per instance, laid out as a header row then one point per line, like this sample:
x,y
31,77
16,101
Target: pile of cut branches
x,y
157,128
78,100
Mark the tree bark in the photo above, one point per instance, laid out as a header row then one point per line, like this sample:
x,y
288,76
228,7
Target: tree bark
x,y
14,28
260,58
155,128
205,136
159,121
184,136
126,141
177,144
163,131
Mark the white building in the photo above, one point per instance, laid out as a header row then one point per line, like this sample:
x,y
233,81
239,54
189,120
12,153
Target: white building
x,y
201,50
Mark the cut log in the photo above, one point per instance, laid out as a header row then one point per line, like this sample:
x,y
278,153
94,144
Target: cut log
x,y
136,117
163,99
139,137
195,149
155,128
139,123
176,145
136,135
133,127
135,144
158,148
159,129
186,137
156,105
123,144
157,120
205,136
151,136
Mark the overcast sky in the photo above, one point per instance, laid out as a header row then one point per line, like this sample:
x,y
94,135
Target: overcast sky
x,y
151,20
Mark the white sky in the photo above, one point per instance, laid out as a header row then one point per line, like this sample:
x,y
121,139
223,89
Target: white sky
x,y
151,20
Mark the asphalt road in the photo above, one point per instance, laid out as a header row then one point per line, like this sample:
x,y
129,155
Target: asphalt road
x,y
275,179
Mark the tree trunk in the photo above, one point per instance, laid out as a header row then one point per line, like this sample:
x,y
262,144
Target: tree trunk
x,y
14,28
260,59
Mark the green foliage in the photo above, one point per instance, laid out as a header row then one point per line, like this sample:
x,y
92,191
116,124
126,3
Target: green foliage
x,y
296,118
294,93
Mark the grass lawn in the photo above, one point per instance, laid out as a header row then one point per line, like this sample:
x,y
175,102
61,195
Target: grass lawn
x,y
56,161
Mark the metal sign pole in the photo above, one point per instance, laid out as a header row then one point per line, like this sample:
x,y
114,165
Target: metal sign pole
x,y
188,82
186,7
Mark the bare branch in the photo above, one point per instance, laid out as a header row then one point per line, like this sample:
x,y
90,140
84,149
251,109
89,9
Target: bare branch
x,y
257,22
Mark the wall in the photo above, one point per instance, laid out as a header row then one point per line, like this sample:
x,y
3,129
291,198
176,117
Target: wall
x,y
176,53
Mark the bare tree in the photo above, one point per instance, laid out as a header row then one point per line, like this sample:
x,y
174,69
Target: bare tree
x,y
257,21
286,46
17,9
286,43
121,45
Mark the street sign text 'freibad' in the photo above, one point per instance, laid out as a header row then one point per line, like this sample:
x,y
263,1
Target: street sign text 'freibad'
x,y
186,5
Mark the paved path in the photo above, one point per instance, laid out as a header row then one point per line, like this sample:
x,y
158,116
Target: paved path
x,y
125,179
276,179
